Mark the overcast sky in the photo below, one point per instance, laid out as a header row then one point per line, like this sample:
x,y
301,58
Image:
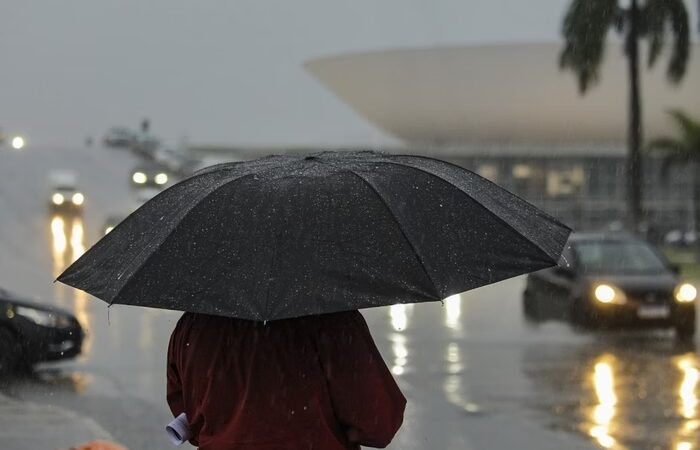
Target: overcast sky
x,y
228,71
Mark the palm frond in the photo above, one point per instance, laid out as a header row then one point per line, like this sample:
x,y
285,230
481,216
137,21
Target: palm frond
x,y
689,127
680,27
659,17
666,146
654,27
585,28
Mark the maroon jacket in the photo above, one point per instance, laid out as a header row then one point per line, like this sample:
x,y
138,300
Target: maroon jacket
x,y
313,383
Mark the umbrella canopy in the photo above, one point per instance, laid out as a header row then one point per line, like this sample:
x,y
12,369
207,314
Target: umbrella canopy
x,y
289,236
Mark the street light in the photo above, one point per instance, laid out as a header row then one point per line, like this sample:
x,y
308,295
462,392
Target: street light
x,y
18,142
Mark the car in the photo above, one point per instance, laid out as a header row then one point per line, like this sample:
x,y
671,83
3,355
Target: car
x,y
145,145
119,137
150,175
674,238
612,281
65,197
31,333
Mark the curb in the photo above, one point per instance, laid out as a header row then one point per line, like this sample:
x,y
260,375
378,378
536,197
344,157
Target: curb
x,y
31,426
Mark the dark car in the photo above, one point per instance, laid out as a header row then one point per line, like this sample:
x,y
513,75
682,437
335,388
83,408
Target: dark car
x,y
32,333
612,281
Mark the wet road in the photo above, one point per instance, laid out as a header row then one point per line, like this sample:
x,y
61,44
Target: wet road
x,y
475,374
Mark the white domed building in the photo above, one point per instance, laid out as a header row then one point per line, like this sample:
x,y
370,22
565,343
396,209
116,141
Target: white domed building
x,y
508,112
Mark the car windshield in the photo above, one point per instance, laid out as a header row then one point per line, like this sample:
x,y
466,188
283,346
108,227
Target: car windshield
x,y
618,257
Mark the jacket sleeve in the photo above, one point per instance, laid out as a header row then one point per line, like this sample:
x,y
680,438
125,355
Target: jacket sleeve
x,y
365,397
174,385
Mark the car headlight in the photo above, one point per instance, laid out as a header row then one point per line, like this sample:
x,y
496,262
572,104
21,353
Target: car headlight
x,y
161,178
139,177
78,199
607,293
58,199
43,318
685,293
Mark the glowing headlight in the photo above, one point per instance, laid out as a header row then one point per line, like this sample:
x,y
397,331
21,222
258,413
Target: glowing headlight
x,y
139,177
606,293
58,199
43,318
18,142
78,198
161,178
686,293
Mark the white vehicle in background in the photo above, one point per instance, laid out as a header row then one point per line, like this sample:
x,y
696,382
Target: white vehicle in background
x,y
119,137
150,175
65,197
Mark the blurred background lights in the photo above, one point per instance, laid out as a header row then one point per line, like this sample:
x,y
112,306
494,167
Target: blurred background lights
x,y
18,142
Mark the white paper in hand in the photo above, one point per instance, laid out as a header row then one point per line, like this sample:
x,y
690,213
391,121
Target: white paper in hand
x,y
178,431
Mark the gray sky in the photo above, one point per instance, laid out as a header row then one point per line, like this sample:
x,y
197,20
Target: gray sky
x,y
220,71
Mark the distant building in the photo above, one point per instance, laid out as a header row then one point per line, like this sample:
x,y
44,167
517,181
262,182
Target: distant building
x,y
509,113
583,186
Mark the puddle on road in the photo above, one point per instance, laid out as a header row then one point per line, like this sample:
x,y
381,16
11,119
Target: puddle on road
x,y
627,392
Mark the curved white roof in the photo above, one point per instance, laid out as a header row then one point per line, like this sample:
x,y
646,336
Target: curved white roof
x,y
502,93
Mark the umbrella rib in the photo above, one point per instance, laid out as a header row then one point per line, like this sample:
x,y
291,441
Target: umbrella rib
x,y
167,236
398,224
481,205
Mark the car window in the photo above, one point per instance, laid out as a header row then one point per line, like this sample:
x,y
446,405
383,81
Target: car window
x,y
618,257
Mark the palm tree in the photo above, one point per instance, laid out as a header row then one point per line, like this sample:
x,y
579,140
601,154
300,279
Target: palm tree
x,y
683,151
585,28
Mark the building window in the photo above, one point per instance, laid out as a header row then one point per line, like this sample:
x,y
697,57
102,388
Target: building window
x,y
567,182
522,171
488,171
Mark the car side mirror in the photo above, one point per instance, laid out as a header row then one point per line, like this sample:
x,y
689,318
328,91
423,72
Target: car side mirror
x,y
675,268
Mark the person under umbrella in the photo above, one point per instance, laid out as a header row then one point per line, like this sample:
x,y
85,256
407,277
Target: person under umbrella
x,y
314,382
271,257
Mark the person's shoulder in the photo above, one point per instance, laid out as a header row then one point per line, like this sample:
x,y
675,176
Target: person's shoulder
x,y
189,320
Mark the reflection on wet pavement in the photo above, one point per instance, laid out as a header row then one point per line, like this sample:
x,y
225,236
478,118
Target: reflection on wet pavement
x,y
637,392
399,316
604,411
453,309
65,230
398,319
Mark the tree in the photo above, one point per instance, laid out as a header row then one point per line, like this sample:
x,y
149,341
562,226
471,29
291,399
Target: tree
x,y
682,151
585,29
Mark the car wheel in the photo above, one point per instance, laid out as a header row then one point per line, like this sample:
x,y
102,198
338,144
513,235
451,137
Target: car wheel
x,y
685,331
10,351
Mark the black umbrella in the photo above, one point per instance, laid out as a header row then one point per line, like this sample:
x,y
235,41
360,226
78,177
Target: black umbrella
x,y
288,236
